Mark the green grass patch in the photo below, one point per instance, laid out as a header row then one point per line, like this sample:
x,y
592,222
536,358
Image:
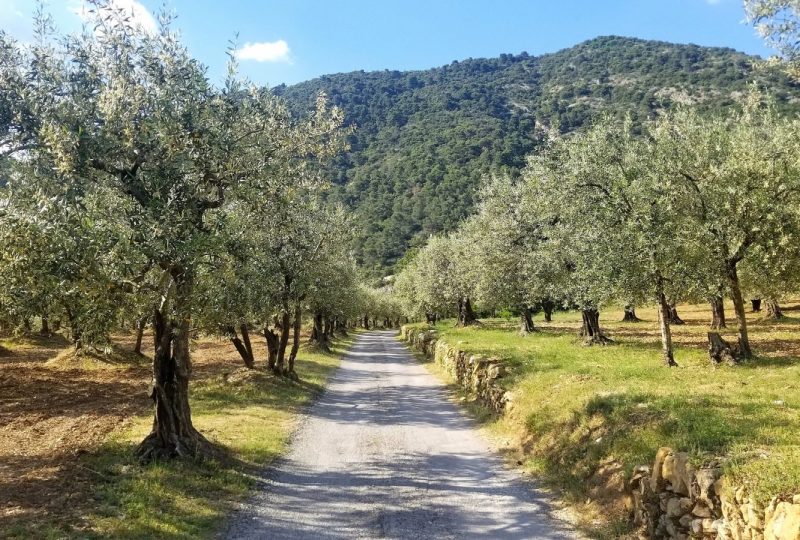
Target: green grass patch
x,y
576,407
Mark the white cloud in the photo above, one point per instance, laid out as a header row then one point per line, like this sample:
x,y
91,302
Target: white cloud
x,y
713,2
138,14
265,51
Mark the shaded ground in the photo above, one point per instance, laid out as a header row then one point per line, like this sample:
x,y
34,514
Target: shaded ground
x,y
385,454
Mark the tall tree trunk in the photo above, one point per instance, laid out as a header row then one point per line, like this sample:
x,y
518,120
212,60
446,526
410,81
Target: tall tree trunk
x,y
738,304
321,331
666,332
245,331
526,321
317,331
591,331
756,303
243,346
140,325
674,318
718,313
547,307
298,314
45,328
774,311
630,314
173,434
366,322
466,316
280,363
273,343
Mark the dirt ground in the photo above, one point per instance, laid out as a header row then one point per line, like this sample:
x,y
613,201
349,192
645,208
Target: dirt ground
x,y
53,410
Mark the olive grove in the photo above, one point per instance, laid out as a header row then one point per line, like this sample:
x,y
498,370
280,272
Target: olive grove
x,y
689,207
134,192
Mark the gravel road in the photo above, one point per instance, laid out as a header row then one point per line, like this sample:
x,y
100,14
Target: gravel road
x,y
385,454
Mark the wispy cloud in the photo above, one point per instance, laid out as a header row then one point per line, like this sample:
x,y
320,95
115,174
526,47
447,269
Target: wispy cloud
x,y
139,15
265,51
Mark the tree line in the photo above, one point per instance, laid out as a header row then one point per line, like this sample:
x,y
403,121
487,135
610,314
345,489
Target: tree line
x,y
689,206
134,192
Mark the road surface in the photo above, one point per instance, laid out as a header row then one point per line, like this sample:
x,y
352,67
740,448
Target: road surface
x,y
385,454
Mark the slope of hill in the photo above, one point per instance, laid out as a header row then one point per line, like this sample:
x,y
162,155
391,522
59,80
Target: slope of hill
x,y
424,139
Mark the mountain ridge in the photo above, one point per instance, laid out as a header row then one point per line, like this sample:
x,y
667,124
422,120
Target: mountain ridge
x,y
426,138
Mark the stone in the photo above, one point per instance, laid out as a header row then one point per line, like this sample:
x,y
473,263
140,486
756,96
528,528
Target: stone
x,y
686,521
677,506
683,474
701,510
751,515
656,478
784,523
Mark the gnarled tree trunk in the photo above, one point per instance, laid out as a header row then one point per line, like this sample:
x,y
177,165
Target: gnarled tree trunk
x,y
773,310
526,321
591,332
674,318
630,314
717,313
756,304
273,344
720,351
173,434
548,307
466,316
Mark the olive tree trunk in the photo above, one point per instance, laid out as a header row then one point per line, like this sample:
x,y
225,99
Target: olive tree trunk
x,y
756,304
664,316
273,343
591,331
738,305
173,434
717,313
630,314
774,311
296,326
526,321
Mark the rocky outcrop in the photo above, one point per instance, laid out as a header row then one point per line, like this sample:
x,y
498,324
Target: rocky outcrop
x,y
675,499
476,374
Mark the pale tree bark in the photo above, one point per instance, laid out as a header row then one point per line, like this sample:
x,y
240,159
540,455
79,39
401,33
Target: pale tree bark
x,y
717,313
738,306
774,311
526,321
666,332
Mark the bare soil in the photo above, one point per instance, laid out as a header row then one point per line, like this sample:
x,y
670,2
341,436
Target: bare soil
x,y
54,408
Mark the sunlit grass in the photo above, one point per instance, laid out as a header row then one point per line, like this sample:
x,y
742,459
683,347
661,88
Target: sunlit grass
x,y
576,406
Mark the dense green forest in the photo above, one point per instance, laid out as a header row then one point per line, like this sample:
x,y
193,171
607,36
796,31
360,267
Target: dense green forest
x,y
425,139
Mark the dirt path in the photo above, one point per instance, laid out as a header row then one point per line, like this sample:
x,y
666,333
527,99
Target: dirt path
x,y
385,454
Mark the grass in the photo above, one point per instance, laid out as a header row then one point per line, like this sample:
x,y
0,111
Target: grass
x,y
576,408
250,414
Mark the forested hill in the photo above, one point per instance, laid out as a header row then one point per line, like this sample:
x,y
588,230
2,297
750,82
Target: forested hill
x,y
424,139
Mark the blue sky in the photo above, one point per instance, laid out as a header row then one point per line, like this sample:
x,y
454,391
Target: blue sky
x,y
289,41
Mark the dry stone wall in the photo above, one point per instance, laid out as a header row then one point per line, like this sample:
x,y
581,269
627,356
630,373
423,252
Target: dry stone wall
x,y
672,498
477,375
